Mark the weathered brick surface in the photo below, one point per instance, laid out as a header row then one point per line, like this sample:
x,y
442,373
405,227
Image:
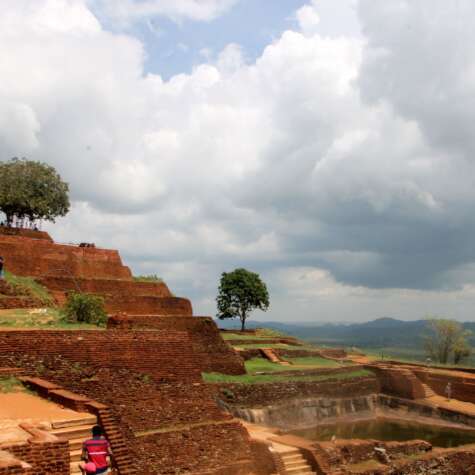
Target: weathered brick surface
x,y
47,458
161,355
253,395
106,286
187,448
450,462
22,232
65,268
398,382
40,257
264,463
151,381
146,305
212,353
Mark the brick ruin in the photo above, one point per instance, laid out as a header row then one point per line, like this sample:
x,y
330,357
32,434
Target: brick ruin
x,y
146,367
64,268
152,383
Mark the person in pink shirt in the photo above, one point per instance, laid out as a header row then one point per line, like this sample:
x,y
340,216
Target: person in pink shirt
x,y
96,453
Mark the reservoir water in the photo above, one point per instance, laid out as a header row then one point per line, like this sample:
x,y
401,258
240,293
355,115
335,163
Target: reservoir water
x,y
390,429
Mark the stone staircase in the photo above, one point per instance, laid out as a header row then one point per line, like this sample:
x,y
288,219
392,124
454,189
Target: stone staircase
x,y
428,392
75,432
270,354
294,463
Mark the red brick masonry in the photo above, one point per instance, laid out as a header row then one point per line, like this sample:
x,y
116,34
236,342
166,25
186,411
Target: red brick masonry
x,y
151,380
212,353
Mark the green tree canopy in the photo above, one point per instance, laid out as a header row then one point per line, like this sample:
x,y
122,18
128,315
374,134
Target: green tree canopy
x,y
239,293
33,190
446,339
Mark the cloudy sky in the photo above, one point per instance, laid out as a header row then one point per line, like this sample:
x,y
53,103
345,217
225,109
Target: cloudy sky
x,y
328,145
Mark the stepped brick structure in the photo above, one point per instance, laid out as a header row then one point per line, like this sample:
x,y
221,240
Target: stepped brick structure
x,y
145,369
152,384
65,268
213,354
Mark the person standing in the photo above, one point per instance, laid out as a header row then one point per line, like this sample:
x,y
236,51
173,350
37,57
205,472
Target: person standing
x,y
1,267
96,453
448,391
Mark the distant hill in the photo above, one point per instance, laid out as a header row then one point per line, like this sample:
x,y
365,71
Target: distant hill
x,y
380,333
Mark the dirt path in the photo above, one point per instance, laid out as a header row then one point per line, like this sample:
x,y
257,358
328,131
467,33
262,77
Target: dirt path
x,y
19,407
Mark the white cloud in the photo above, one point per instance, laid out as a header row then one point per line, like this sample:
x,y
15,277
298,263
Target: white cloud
x,y
308,18
328,154
128,11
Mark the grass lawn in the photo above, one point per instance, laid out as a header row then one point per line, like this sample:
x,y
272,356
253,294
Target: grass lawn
x,y
234,336
46,318
314,361
9,384
265,345
261,333
276,378
258,365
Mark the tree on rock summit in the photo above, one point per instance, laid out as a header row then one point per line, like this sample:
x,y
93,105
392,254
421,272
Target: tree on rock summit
x,y
240,292
33,190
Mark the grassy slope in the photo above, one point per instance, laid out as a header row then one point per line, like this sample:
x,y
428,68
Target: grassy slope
x,y
9,384
28,285
47,318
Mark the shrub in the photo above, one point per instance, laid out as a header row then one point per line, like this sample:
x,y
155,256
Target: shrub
x,y
147,278
85,308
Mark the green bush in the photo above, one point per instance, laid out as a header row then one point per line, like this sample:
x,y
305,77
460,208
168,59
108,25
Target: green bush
x,y
147,278
85,308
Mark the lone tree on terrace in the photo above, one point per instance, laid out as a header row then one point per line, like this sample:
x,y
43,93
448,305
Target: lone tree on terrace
x,y
33,190
446,339
239,293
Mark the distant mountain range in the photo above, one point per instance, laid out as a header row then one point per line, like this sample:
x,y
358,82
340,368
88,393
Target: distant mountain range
x,y
379,333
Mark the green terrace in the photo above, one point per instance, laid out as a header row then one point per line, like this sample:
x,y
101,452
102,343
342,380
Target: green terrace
x,y
43,318
275,372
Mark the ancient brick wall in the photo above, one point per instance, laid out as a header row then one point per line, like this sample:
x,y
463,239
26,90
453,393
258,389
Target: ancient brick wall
x,y
146,305
151,382
106,286
264,463
253,395
40,257
47,458
154,353
64,268
448,462
462,388
398,382
229,442
213,354
23,232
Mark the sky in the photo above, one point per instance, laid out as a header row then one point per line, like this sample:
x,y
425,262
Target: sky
x,y
327,145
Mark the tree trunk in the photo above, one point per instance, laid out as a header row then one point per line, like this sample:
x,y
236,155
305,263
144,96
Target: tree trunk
x,y
243,320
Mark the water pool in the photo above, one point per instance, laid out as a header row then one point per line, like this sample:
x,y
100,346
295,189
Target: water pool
x,y
390,429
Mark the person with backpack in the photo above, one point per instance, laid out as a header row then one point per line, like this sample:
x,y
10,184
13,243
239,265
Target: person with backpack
x,y
96,453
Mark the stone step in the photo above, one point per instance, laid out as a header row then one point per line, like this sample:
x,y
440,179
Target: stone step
x,y
298,471
74,468
75,444
74,432
88,420
75,455
296,463
288,456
